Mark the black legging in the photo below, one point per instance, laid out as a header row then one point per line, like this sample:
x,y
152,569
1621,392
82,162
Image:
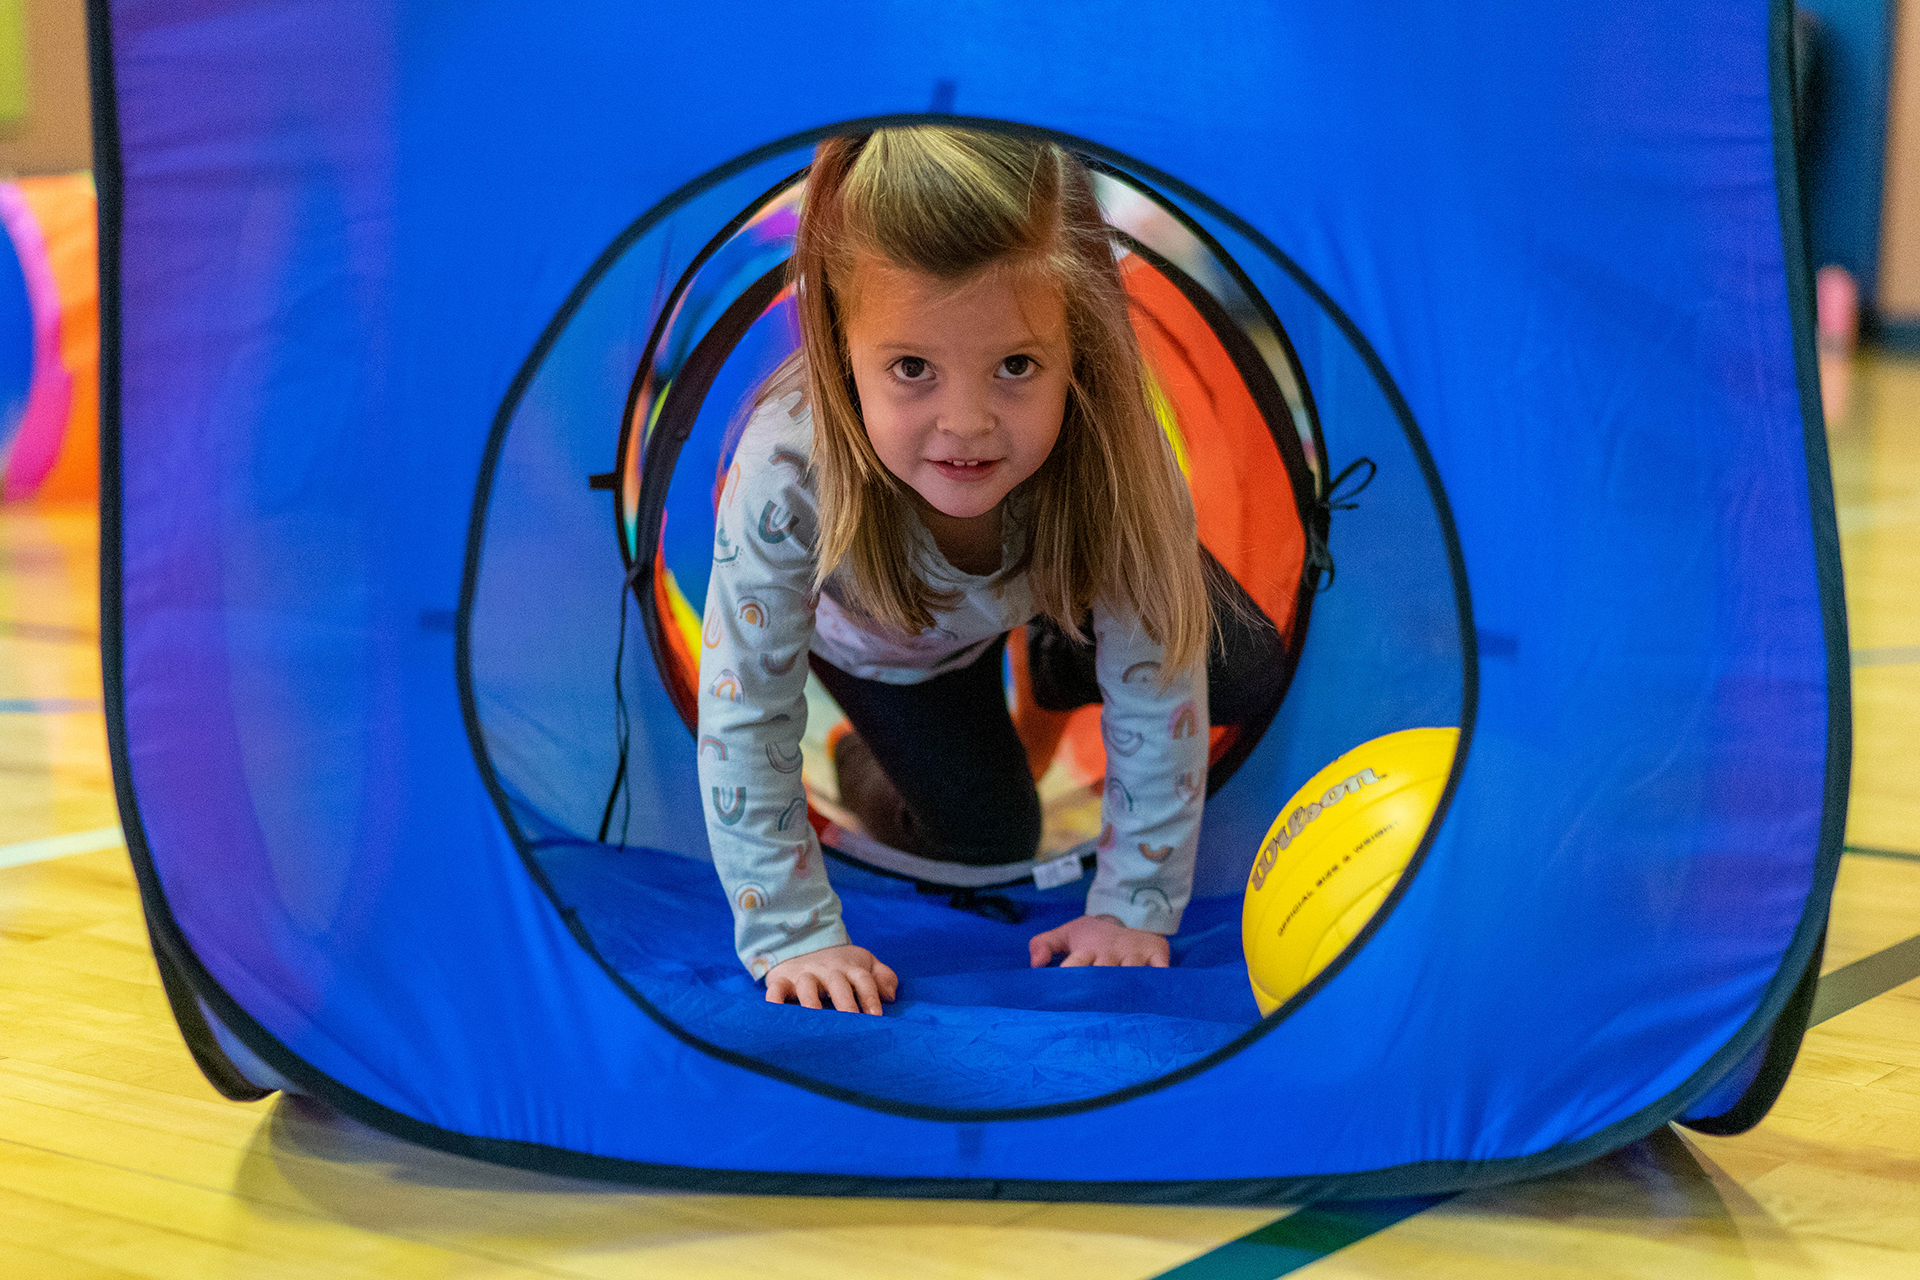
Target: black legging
x,y
961,790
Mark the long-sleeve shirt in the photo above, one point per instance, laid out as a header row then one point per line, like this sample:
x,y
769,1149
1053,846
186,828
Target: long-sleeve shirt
x,y
762,618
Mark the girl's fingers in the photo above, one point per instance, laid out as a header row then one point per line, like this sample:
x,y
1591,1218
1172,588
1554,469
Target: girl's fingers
x,y
850,990
840,991
867,989
1054,942
1044,947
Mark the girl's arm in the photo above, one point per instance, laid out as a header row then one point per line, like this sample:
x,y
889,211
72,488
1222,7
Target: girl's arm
x,y
753,710
1157,743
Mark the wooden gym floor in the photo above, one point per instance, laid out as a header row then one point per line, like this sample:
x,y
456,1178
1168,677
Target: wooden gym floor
x,y
116,1159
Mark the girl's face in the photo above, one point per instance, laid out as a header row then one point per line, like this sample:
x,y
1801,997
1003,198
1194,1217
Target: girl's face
x,y
962,389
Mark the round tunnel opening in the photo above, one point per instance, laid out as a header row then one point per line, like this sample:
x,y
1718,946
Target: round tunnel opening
x,y
538,686
1230,397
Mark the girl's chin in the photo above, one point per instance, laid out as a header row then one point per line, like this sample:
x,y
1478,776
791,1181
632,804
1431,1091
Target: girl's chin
x,y
969,503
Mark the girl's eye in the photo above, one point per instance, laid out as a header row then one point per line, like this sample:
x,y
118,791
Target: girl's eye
x,y
1017,366
911,369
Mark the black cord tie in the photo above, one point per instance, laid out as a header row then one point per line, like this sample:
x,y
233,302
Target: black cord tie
x,y
992,906
1319,557
1338,501
622,724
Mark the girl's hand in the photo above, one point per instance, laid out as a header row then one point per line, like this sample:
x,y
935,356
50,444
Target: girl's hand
x,y
852,977
1098,940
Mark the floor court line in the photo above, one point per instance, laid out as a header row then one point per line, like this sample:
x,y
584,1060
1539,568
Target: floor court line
x,y
47,706
1866,851
18,855
1283,1247
1852,985
50,632
1302,1237
1896,655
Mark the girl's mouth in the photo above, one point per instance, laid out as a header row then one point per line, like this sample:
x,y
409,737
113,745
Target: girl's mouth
x,y
965,469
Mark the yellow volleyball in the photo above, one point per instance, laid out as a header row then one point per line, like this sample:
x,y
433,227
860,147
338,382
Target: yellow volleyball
x,y
1335,853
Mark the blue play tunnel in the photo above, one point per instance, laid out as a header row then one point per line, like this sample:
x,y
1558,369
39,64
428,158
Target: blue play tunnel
x,y
426,333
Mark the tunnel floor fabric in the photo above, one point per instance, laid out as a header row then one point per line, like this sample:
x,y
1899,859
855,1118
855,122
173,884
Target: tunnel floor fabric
x,y
973,1028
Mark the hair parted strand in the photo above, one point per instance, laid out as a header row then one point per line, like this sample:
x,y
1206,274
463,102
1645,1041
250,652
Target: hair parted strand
x,y
1110,514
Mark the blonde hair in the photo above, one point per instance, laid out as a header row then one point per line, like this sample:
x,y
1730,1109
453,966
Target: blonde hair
x,y
1110,515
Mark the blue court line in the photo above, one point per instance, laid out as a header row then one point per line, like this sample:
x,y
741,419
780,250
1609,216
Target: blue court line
x,y
1896,655
1306,1236
47,706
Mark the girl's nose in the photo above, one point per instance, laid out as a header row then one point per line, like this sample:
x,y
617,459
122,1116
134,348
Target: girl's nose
x,y
967,416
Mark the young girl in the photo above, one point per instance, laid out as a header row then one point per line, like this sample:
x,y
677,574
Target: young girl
x,y
963,445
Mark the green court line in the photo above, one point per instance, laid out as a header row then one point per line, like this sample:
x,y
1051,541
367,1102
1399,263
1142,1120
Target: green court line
x,y
1310,1234
1852,985
1870,852
1304,1236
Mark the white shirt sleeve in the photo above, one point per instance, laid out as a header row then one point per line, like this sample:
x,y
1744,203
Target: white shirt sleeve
x,y
753,709
1157,746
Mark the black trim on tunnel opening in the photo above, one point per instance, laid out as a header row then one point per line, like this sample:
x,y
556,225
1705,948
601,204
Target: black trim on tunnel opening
x,y
181,974
1392,1180
1254,372
616,479
679,411
661,324
672,426
1258,379
1403,414
1320,482
1788,1003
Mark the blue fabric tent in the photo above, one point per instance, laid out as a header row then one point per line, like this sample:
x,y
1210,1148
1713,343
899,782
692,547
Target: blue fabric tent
x,y
383,285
